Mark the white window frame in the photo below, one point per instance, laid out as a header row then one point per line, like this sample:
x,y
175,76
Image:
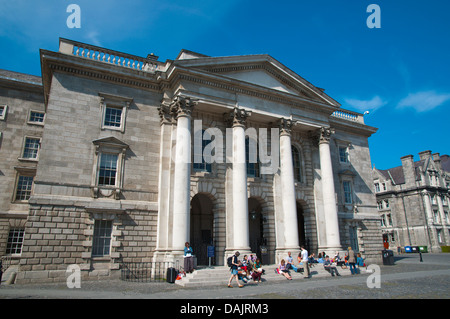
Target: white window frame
x,y
25,172
5,111
115,102
35,122
111,146
32,159
346,154
16,243
350,184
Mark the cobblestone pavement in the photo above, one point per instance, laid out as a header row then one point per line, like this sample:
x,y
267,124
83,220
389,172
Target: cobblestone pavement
x,y
407,279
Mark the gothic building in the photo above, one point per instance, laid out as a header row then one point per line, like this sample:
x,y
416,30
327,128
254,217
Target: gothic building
x,y
111,158
413,202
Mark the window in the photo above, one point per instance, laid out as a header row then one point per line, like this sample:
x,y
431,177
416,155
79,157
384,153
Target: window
x,y
439,235
101,244
347,192
202,162
3,110
343,154
114,110
113,117
386,203
36,117
380,205
389,219
15,241
251,157
377,187
31,148
354,238
109,162
108,170
436,216
297,162
24,187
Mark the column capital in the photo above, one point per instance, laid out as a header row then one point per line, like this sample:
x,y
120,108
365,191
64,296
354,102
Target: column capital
x,y
166,114
286,126
182,106
237,117
325,134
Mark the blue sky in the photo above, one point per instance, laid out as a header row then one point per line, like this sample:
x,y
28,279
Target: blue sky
x,y
399,72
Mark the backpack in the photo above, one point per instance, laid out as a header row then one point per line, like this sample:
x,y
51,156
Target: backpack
x,y
230,261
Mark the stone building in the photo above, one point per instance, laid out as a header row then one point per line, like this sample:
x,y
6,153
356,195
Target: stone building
x,y
413,201
137,156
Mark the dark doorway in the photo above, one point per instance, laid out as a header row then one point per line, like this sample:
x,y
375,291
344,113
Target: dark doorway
x,y
301,227
256,229
202,233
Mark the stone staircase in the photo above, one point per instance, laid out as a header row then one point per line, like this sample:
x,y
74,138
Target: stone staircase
x,y
219,276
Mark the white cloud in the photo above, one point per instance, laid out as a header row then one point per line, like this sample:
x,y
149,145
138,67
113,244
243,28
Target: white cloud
x,y
366,105
424,101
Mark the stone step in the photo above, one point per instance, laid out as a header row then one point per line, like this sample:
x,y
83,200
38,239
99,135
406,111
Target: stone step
x,y
219,275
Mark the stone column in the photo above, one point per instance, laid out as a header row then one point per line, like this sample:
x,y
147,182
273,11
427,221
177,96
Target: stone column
x,y
328,193
164,231
239,180
288,188
182,107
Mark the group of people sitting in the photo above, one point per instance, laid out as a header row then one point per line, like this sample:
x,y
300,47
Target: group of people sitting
x,y
246,269
286,265
351,260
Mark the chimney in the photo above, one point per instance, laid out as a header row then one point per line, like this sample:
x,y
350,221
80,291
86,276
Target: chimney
x,y
409,170
437,160
425,155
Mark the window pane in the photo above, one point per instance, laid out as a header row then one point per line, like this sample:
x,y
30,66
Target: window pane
x,y
108,169
15,241
37,117
297,162
347,192
251,156
202,163
31,147
101,243
343,156
113,117
24,186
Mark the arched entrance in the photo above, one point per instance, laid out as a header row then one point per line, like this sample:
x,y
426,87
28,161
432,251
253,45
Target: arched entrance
x,y
202,227
256,226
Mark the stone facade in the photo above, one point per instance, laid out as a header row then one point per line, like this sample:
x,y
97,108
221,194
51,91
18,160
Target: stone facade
x,y
117,178
413,201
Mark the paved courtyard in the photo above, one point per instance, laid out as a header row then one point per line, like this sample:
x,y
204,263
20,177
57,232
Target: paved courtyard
x,y
407,279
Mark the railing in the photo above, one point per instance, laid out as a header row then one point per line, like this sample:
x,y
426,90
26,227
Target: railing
x,y
349,116
117,58
146,271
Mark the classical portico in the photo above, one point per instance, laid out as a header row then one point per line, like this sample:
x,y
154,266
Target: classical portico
x,y
175,184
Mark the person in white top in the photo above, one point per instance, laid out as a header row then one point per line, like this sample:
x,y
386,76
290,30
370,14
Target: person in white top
x,y
304,258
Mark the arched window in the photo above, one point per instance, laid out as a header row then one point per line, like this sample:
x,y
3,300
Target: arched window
x,y
202,163
297,162
251,158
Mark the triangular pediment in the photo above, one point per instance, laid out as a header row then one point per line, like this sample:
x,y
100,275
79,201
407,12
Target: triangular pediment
x,y
111,141
260,70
